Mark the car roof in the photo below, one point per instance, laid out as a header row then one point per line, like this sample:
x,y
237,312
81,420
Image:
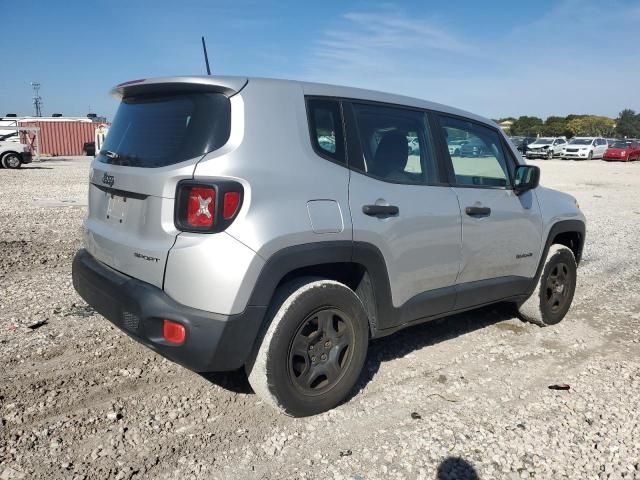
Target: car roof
x,y
230,85
322,89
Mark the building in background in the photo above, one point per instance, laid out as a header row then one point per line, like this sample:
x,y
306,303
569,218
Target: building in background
x,y
60,135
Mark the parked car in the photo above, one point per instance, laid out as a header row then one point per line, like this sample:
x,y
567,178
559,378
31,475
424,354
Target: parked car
x,y
474,148
584,148
13,154
257,245
522,143
622,151
454,146
546,147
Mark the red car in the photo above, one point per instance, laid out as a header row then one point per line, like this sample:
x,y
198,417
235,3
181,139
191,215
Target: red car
x,y
622,151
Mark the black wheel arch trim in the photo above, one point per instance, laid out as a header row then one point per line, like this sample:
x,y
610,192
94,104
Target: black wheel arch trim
x,y
562,226
295,257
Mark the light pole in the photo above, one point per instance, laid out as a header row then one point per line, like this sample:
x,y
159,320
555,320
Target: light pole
x,y
37,99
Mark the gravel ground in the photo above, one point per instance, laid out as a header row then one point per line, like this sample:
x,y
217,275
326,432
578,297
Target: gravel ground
x,y
466,397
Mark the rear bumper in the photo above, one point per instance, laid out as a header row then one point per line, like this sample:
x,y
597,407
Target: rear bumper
x,y
214,342
26,157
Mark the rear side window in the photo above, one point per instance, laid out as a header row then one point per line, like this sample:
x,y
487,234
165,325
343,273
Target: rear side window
x,y
395,144
325,127
163,130
480,160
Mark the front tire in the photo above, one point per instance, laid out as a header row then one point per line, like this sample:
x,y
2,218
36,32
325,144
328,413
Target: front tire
x,y
590,157
550,155
550,301
11,160
314,349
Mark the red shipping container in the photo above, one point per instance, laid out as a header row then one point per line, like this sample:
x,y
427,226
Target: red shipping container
x,y
65,137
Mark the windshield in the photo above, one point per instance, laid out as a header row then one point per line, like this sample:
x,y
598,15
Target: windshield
x,y
581,141
543,141
162,130
619,145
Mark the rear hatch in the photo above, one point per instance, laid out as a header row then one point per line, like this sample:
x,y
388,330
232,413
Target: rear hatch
x,y
162,128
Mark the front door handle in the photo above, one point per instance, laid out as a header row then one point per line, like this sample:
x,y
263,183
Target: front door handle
x,y
478,211
380,211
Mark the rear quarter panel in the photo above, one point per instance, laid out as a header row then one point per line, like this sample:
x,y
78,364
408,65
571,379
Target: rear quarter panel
x,y
280,172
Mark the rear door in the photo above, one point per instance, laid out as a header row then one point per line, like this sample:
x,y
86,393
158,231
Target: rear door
x,y
399,205
501,231
155,140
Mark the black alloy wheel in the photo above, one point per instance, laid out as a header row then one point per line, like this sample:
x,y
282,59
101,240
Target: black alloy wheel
x,y
321,351
558,287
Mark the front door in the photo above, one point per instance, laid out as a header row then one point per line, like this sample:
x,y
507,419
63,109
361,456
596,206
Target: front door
x,y
501,231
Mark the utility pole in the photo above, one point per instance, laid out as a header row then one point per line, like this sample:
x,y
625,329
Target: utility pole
x,y
37,99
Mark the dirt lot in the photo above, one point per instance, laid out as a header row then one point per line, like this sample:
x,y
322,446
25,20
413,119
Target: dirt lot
x,y
467,397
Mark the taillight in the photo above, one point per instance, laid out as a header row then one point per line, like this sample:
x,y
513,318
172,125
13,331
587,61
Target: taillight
x,y
207,207
173,332
201,207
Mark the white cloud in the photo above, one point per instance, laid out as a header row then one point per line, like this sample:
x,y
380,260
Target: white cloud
x,y
557,63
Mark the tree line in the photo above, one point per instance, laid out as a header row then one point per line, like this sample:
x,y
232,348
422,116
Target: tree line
x,y
627,125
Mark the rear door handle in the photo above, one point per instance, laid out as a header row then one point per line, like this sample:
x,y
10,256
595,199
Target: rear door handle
x,y
380,211
478,211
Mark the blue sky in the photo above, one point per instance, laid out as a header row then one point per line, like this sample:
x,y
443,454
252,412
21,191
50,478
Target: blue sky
x,y
495,58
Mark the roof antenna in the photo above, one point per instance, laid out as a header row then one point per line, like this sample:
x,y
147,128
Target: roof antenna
x,y
206,57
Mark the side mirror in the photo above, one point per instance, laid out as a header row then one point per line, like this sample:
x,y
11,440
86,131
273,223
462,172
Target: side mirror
x,y
526,177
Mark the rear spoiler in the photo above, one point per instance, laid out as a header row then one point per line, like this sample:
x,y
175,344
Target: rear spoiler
x,y
228,86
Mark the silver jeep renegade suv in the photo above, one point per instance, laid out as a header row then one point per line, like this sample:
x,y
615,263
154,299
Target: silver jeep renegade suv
x,y
278,226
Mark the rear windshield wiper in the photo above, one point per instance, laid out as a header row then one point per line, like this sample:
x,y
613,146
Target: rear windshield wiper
x,y
115,158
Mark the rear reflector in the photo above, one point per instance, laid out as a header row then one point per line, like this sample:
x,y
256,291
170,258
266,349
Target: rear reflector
x,y
201,207
230,204
173,332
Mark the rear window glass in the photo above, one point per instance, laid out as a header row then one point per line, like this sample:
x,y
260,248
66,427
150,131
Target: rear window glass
x,y
163,130
325,122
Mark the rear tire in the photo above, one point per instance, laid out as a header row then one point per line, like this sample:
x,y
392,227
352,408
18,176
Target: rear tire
x,y
11,160
313,351
550,301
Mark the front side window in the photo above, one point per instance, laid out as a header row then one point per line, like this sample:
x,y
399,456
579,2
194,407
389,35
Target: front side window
x,y
480,161
395,144
325,124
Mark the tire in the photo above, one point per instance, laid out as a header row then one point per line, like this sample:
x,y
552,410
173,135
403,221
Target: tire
x,y
551,299
550,155
11,160
590,157
313,351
